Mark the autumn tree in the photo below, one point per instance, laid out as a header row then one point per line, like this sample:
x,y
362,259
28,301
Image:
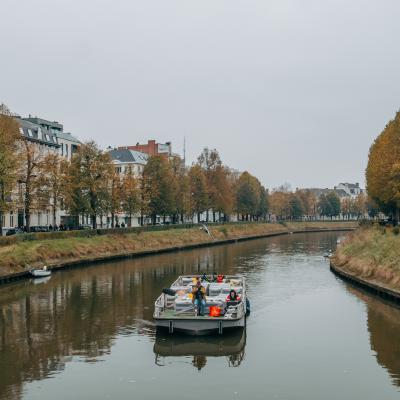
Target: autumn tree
x,y
279,201
180,189
309,201
130,201
346,206
31,156
114,198
360,205
88,181
197,191
9,161
383,169
51,182
210,162
157,184
223,193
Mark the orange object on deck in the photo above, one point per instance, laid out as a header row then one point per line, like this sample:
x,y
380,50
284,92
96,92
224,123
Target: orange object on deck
x,y
215,311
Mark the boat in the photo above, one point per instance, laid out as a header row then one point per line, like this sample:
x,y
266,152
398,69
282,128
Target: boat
x,y
40,273
174,310
328,254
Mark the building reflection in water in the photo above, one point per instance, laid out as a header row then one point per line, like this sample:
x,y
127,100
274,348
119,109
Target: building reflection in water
x,y
384,329
230,345
79,313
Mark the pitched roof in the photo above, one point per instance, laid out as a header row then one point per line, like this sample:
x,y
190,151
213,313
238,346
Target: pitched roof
x,y
128,156
35,133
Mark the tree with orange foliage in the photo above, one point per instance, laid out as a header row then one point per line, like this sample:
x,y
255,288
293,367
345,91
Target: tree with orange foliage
x,y
383,170
9,138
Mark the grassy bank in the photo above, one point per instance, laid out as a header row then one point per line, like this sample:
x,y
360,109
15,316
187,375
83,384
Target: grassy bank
x,y
372,254
20,256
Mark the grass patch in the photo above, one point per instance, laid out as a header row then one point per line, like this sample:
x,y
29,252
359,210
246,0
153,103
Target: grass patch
x,y
22,255
372,254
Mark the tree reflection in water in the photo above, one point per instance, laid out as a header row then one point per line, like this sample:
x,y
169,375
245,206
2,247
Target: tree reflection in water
x,y
80,312
384,329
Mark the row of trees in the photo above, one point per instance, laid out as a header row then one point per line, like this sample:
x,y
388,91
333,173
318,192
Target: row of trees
x,y
383,169
166,187
36,180
304,203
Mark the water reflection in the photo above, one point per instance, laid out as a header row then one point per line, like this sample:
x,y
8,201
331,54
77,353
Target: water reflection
x,y
384,328
91,315
79,313
231,346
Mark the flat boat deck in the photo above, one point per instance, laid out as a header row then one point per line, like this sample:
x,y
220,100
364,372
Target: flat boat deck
x,y
175,311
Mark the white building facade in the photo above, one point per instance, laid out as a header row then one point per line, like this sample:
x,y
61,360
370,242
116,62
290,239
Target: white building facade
x,y
46,137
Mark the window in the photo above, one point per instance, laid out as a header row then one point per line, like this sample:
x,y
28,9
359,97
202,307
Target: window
x,y
30,133
47,137
40,134
21,131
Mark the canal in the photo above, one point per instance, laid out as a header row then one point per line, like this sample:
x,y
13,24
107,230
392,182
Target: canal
x,y
88,333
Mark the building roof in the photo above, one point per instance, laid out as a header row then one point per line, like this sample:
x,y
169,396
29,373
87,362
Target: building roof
x,y
67,136
128,156
45,122
35,133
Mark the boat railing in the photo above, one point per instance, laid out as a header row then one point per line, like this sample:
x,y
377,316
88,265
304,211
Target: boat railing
x,y
234,311
159,305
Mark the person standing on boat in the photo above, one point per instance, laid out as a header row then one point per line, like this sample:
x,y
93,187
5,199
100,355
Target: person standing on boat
x,y
199,297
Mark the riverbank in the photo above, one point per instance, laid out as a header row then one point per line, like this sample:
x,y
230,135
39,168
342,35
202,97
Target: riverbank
x,y
371,257
17,258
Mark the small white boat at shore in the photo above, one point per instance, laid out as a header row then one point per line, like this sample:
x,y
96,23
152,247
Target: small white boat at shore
x,y
174,309
328,254
40,273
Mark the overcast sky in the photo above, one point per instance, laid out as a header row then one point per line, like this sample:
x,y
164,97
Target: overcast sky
x,y
290,90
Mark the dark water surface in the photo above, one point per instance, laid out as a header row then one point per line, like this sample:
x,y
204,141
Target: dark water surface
x,y
89,334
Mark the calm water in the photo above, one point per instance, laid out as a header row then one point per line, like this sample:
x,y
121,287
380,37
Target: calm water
x,y
88,333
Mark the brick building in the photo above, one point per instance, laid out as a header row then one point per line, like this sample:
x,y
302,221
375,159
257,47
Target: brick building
x,y
152,148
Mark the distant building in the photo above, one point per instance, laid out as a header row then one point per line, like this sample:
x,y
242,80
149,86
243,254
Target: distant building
x,y
124,159
48,137
151,148
68,144
351,189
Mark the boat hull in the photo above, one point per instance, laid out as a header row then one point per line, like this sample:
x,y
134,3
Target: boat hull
x,y
198,326
39,273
